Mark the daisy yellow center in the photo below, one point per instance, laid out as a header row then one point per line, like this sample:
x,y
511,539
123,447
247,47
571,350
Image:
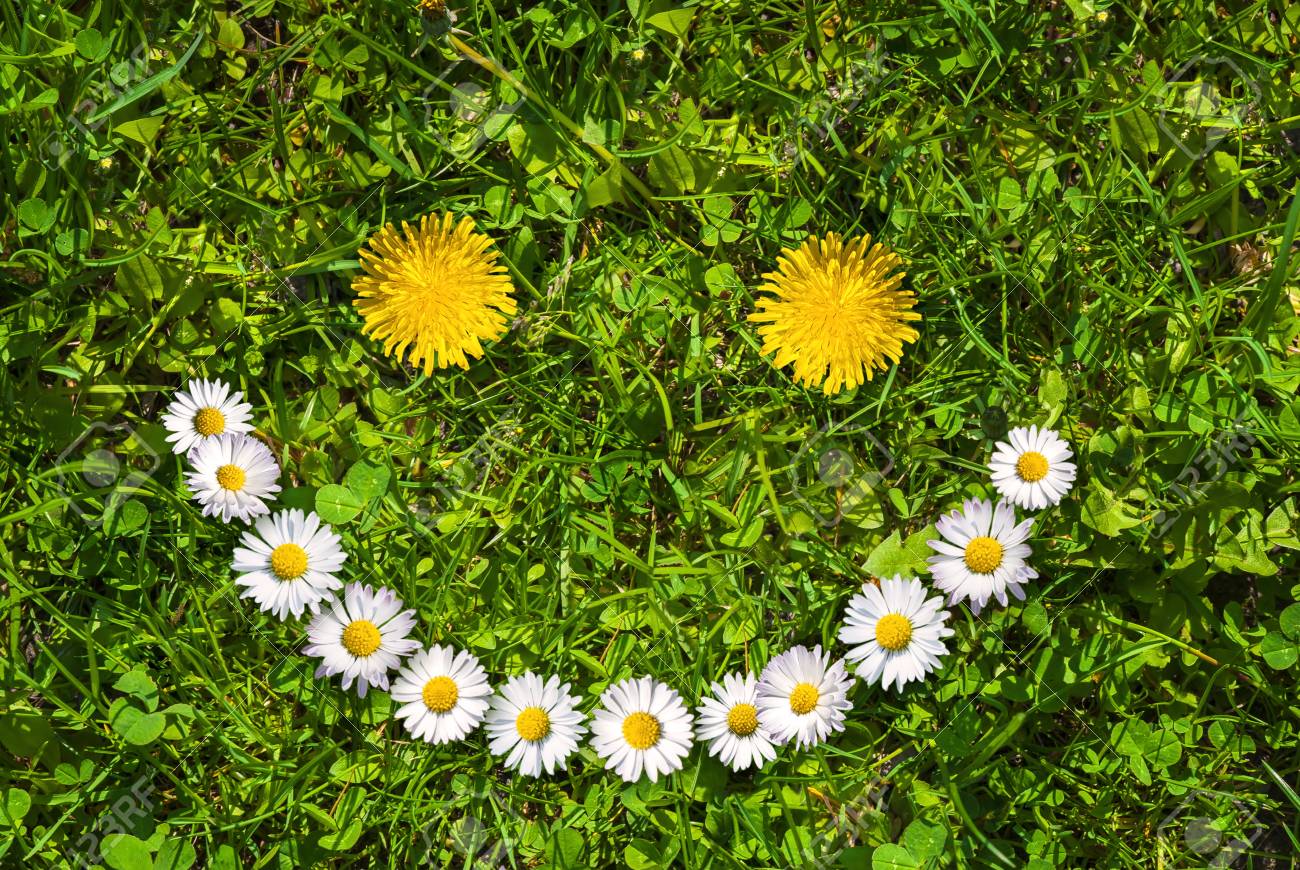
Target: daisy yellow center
x,y
209,421
361,638
742,720
231,477
533,724
1031,466
434,293
836,311
893,631
804,698
440,694
983,555
641,730
288,562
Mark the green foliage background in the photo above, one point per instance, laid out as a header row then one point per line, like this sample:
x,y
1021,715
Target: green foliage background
x,y
1097,204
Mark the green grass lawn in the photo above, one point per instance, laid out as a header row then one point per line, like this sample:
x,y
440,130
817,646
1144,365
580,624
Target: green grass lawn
x,y
1096,204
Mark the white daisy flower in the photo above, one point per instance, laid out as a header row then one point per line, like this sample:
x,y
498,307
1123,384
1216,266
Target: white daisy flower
x,y
289,564
982,555
729,721
802,696
233,476
203,411
443,693
642,726
363,637
537,722
895,632
1032,470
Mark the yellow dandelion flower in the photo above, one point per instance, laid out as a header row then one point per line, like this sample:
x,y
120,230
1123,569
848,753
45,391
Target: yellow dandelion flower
x,y
838,314
432,6
437,290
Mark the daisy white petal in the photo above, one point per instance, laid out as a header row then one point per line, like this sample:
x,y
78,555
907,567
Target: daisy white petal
x,y
234,476
535,723
729,721
894,632
803,696
444,694
362,636
203,411
642,727
288,564
984,554
1032,469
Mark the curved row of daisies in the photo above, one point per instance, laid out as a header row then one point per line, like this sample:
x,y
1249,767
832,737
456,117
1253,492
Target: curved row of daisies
x,y
289,564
